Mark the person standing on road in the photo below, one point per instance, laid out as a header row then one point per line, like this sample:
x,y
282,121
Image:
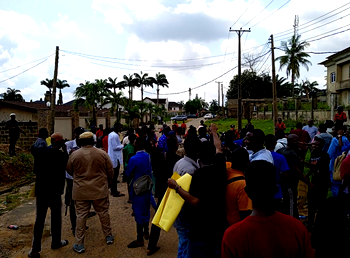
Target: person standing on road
x,y
92,173
183,127
140,165
115,152
49,186
311,129
14,131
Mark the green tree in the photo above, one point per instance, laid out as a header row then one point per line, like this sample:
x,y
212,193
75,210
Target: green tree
x,y
12,95
61,84
115,99
89,94
195,105
306,87
294,57
151,109
48,83
141,80
129,82
113,84
214,106
160,80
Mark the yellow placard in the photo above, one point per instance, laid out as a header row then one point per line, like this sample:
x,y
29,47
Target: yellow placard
x,y
172,203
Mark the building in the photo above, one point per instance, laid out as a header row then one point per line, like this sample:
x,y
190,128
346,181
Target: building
x,y
338,78
174,108
162,102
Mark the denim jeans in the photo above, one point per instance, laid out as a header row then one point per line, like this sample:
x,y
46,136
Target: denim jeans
x,y
203,250
335,188
183,243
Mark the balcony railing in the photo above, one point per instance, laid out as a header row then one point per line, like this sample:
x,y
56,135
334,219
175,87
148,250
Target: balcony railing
x,y
343,85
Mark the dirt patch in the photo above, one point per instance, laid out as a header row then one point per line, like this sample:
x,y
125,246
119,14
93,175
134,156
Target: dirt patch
x,y
15,169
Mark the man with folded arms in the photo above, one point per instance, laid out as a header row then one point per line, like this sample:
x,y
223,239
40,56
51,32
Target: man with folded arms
x,y
92,172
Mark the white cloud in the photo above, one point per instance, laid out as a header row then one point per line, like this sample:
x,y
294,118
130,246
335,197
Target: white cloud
x,y
65,27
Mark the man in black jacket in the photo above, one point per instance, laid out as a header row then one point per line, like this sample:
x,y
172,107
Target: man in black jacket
x,y
49,186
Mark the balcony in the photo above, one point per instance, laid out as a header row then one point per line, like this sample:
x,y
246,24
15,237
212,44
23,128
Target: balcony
x,y
343,85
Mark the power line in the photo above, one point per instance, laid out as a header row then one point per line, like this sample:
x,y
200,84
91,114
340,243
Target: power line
x,y
271,14
23,71
242,14
328,35
320,25
258,13
26,63
313,19
140,60
192,88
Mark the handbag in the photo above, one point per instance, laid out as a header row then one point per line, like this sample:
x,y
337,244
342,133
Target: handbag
x,y
337,163
142,185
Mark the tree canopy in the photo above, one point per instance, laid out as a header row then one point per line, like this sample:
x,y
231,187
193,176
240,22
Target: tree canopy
x,y
12,95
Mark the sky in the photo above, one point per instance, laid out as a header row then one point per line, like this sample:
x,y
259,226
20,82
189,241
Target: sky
x,y
187,40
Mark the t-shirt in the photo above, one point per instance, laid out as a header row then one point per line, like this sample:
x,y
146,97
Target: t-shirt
x,y
321,173
275,236
327,140
281,143
236,198
292,159
239,142
105,143
281,166
340,117
12,126
281,126
208,218
262,154
303,137
311,130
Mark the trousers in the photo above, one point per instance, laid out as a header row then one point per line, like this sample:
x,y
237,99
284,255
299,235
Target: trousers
x,y
82,208
42,204
183,243
114,188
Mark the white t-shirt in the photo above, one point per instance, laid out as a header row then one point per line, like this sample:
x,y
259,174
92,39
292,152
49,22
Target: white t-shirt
x,y
262,154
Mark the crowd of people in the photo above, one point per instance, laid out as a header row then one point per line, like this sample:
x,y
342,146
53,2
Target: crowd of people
x,y
243,199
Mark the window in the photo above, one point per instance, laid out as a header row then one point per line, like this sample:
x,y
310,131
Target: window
x,y
333,77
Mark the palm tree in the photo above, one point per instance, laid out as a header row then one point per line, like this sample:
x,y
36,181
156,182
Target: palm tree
x,y
12,95
143,79
130,82
115,99
102,87
294,57
113,84
89,94
151,108
160,80
307,87
48,83
61,84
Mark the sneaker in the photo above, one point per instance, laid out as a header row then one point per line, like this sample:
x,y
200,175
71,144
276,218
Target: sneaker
x,y
109,240
79,248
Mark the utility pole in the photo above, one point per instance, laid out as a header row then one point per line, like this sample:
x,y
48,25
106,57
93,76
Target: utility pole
x,y
274,90
239,104
53,97
189,91
218,92
222,96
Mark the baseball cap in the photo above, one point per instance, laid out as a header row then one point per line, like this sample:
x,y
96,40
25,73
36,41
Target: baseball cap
x,y
12,114
86,135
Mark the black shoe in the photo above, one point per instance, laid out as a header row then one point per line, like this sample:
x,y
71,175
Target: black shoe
x,y
61,244
33,255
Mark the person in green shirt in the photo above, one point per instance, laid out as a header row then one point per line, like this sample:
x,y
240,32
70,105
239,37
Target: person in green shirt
x,y
128,152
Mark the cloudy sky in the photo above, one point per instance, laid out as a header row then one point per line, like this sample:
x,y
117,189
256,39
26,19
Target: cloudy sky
x,y
188,40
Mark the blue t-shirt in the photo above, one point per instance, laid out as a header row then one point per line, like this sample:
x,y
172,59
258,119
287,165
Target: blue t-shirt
x,y
239,142
281,165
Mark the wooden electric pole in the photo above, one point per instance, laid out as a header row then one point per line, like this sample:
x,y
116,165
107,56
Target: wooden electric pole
x,y
189,91
53,97
239,104
274,90
218,93
222,96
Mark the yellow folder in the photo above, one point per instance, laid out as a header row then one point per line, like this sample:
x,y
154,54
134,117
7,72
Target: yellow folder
x,y
172,203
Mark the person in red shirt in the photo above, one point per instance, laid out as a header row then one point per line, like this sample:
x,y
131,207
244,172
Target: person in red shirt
x,y
304,138
183,127
105,139
99,132
340,117
280,125
233,128
265,233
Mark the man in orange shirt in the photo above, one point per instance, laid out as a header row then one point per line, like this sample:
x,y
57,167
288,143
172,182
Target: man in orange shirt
x,y
99,132
280,125
340,117
183,127
238,205
233,128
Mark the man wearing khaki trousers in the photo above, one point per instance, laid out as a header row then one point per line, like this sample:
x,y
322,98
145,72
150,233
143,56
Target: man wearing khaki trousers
x,y
92,172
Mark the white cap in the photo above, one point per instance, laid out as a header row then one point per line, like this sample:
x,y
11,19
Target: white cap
x,y
12,114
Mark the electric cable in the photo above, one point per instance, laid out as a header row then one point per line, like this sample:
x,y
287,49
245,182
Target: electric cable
x,y
26,64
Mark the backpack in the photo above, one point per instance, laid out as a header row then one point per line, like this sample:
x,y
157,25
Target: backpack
x,y
337,163
142,185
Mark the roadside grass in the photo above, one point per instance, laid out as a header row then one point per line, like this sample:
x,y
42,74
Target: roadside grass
x,y
11,201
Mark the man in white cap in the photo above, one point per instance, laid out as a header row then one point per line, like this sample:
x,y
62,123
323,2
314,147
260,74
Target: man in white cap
x,y
92,172
14,131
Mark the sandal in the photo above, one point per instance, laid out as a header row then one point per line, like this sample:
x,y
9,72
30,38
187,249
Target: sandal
x,y
135,244
153,250
62,243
